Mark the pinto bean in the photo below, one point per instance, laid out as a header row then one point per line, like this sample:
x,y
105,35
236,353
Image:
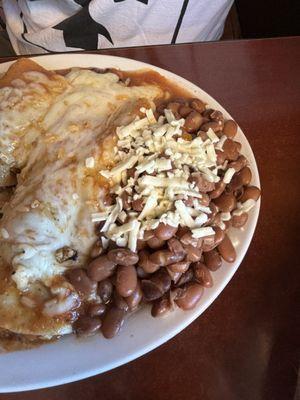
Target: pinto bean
x,y
96,309
188,239
184,111
166,257
141,244
203,185
202,135
238,221
161,307
226,202
239,193
250,192
182,230
109,199
207,113
231,149
210,242
218,190
112,322
120,302
240,163
100,268
214,125
174,107
221,157
212,260
87,326
126,280
197,105
193,254
181,100
219,235
217,115
135,298
155,243
138,204
241,178
148,235
230,128
97,249
175,246
175,276
227,225
123,256
145,263
105,290
156,286
81,282
181,266
193,122
211,217
227,250
165,231
141,273
190,297
202,275
185,277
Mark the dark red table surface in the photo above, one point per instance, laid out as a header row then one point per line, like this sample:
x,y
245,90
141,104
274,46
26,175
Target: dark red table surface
x,y
246,344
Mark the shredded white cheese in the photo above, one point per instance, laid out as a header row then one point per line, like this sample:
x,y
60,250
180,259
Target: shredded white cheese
x,y
202,232
90,162
228,175
244,207
163,162
4,233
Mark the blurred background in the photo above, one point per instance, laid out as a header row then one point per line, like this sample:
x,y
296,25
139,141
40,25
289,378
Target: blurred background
x,y
262,19
245,20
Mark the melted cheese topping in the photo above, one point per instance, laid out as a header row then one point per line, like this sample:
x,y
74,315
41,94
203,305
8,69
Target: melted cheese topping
x,y
67,123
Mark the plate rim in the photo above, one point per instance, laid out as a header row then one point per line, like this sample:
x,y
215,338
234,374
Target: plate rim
x,y
44,383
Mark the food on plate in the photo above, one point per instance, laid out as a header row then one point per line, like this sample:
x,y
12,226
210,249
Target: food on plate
x,y
117,189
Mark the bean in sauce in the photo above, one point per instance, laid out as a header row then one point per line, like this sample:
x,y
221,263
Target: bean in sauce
x,y
126,280
227,250
135,298
193,122
212,260
161,307
202,275
165,231
250,192
112,322
123,256
81,282
87,326
101,268
190,297
105,290
230,128
226,202
238,221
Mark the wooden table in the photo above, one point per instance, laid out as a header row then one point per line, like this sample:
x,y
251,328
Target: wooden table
x,y
246,345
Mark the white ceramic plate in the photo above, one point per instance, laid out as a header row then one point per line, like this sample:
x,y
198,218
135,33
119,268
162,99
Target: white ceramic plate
x,y
71,359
